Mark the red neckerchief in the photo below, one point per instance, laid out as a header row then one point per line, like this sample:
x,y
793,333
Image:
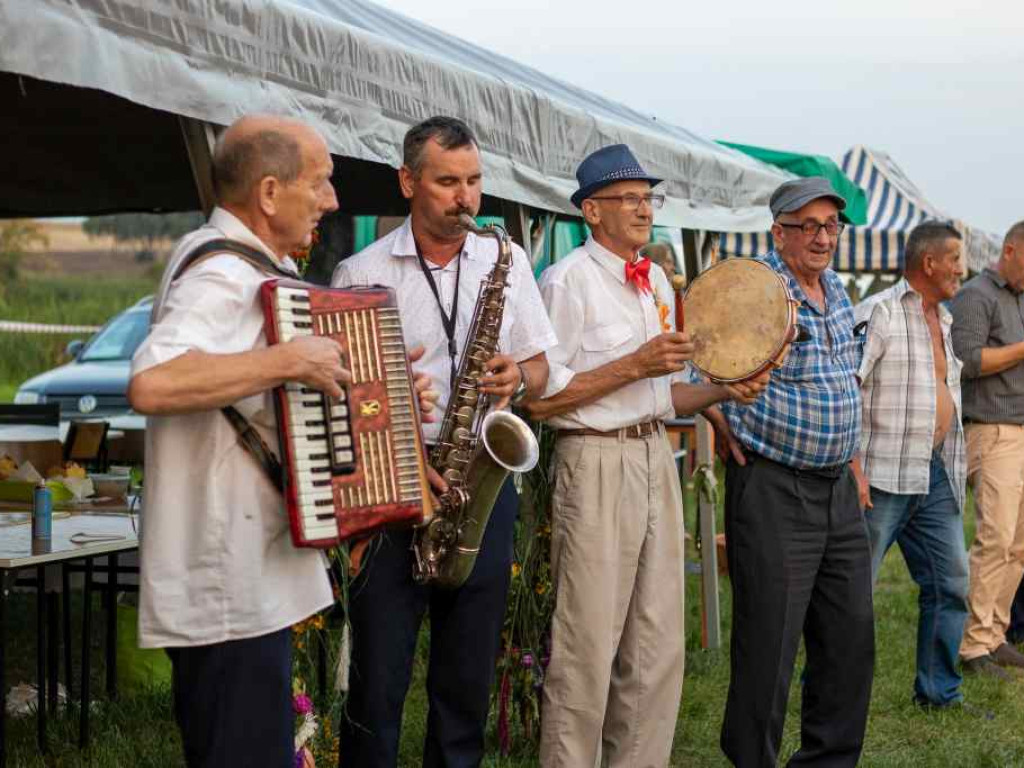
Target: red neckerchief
x,y
637,273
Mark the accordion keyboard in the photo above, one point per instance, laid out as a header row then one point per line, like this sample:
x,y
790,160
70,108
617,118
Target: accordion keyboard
x,y
354,464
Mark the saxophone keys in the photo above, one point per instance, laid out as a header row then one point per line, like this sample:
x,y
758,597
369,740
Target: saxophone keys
x,y
458,458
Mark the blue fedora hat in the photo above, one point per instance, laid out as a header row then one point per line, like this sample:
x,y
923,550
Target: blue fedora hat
x,y
606,166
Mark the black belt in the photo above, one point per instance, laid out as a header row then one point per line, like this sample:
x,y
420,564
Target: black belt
x,y
831,472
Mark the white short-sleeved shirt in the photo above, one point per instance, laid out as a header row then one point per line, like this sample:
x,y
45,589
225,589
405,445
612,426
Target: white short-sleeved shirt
x,y
217,561
600,318
391,261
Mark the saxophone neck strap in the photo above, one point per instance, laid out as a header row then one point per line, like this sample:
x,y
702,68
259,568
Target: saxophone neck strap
x,y
448,321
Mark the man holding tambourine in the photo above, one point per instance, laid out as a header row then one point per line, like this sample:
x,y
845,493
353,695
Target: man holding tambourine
x,y
798,551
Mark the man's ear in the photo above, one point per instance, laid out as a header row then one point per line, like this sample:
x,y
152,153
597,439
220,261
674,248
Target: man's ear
x,y
778,234
268,192
591,212
406,180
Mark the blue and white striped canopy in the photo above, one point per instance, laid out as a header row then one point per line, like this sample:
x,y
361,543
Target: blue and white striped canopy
x,y
895,207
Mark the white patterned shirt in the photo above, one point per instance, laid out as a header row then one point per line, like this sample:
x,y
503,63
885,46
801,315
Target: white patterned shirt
x,y
897,374
600,318
391,261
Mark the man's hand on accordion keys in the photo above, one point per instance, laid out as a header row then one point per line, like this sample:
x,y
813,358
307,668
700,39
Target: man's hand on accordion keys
x,y
316,362
422,384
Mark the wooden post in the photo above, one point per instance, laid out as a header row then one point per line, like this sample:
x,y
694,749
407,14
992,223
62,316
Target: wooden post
x,y
710,613
199,140
517,223
691,255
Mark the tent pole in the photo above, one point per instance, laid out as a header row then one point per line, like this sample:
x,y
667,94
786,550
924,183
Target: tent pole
x,y
710,613
517,222
691,254
199,140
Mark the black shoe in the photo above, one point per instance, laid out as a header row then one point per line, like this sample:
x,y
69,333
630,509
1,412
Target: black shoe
x,y
985,666
960,707
1008,656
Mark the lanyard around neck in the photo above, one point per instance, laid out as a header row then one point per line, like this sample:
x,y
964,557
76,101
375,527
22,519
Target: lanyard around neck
x,y
448,321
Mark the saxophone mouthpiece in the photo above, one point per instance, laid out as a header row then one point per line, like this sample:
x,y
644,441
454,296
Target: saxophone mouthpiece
x,y
467,222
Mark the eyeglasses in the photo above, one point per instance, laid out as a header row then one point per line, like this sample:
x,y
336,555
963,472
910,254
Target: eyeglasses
x,y
812,228
632,202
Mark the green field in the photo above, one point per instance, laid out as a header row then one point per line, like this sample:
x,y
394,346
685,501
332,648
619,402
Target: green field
x,y
54,300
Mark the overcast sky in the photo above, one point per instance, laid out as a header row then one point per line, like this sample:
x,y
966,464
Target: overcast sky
x,y
937,84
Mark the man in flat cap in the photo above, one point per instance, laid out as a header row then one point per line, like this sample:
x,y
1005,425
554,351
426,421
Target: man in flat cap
x,y
616,672
797,546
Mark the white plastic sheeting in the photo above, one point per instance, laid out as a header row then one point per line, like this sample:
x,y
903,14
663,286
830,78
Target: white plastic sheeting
x,y
362,75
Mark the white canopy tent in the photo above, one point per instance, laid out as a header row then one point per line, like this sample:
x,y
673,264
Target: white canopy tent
x,y
895,206
362,75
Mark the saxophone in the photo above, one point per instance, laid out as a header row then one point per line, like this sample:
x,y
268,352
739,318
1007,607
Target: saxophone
x,y
476,450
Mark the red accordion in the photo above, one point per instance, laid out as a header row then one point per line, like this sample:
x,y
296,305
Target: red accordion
x,y
356,464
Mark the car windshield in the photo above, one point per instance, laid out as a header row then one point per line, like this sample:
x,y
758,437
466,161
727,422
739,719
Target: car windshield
x,y
119,340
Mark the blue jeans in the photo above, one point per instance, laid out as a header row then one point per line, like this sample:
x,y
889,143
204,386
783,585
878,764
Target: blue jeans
x,y
930,532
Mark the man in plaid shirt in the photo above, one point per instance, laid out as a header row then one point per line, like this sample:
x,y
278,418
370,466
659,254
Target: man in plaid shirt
x,y
798,551
912,484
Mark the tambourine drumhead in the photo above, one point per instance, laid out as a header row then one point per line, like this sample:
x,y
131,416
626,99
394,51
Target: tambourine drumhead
x,y
740,316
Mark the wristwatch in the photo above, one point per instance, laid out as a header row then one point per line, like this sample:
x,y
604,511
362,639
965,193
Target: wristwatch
x,y
520,392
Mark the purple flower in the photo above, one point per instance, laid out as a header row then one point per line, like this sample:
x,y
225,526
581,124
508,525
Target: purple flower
x,y
527,660
302,704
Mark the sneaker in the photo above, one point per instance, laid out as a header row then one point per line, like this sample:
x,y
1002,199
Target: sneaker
x,y
961,707
1008,656
985,666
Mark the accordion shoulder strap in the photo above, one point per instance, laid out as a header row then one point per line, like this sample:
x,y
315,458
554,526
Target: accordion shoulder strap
x,y
248,437
221,245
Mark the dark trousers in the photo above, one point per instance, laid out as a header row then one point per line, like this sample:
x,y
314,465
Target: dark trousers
x,y
1015,632
386,608
233,702
800,564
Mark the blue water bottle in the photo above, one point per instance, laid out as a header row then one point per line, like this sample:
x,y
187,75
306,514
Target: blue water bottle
x,y
42,512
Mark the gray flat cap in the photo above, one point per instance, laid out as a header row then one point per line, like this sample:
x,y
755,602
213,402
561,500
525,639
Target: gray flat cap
x,y
794,195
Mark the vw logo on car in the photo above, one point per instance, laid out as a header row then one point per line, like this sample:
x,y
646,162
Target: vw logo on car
x,y
86,404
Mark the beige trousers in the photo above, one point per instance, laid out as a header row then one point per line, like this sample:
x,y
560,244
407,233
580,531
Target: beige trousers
x,y
615,679
995,469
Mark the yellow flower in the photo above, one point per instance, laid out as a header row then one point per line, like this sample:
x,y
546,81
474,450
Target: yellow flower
x,y
516,570
540,589
663,317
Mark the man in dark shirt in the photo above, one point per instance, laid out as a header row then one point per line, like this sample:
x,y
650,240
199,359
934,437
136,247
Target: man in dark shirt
x,y
988,335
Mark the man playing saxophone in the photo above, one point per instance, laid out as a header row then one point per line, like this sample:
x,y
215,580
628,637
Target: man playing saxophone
x,y
436,268
616,673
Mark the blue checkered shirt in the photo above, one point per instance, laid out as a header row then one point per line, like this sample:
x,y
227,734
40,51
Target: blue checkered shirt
x,y
809,415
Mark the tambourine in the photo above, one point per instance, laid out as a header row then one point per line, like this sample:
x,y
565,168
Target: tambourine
x,y
740,316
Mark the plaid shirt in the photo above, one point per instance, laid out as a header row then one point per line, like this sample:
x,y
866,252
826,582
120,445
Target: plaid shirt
x,y
897,374
809,415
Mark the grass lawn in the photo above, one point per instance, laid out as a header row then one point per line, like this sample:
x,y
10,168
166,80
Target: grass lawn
x,y
139,730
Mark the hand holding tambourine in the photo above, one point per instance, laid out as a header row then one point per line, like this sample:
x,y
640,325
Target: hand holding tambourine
x,y
742,320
